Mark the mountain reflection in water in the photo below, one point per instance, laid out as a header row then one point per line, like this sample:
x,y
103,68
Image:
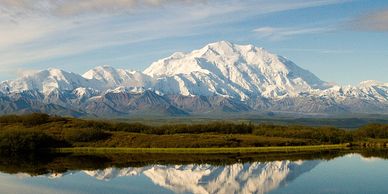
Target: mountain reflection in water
x,y
71,173
256,177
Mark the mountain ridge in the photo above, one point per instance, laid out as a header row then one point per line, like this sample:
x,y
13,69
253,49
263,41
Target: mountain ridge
x,y
220,77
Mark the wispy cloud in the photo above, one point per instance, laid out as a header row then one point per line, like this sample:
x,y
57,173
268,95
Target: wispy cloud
x,y
84,7
320,51
374,21
44,8
33,31
335,51
276,34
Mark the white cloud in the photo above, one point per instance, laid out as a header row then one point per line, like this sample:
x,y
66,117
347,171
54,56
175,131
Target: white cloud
x,y
22,72
322,51
34,31
82,7
375,21
273,33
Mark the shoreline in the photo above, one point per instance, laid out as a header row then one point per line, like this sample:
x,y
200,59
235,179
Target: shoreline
x,y
221,150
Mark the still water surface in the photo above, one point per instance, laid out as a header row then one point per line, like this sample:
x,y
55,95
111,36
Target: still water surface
x,y
348,173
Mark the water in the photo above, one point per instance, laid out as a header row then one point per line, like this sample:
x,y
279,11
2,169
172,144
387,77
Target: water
x,y
325,173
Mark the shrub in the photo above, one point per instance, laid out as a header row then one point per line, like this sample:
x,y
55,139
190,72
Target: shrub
x,y
7,119
35,119
16,141
373,131
84,134
318,134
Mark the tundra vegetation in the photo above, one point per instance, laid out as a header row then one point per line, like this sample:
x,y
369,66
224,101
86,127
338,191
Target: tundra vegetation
x,y
37,132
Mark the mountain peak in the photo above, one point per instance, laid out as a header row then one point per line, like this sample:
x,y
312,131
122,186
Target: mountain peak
x,y
110,77
221,44
233,70
54,70
57,73
99,72
45,81
229,47
369,83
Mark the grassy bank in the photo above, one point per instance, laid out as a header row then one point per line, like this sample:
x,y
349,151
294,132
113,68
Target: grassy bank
x,y
205,140
221,150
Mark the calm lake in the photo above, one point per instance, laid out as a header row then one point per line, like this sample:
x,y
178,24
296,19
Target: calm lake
x,y
332,172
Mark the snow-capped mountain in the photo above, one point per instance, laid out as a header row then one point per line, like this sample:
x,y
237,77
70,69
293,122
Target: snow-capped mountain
x,y
100,78
368,90
240,71
46,81
220,77
110,78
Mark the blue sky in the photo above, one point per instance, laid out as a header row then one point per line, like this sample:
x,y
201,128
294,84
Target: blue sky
x,y
343,41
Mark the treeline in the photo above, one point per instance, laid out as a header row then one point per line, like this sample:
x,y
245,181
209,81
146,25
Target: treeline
x,y
40,131
29,120
375,131
213,127
320,134
37,119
